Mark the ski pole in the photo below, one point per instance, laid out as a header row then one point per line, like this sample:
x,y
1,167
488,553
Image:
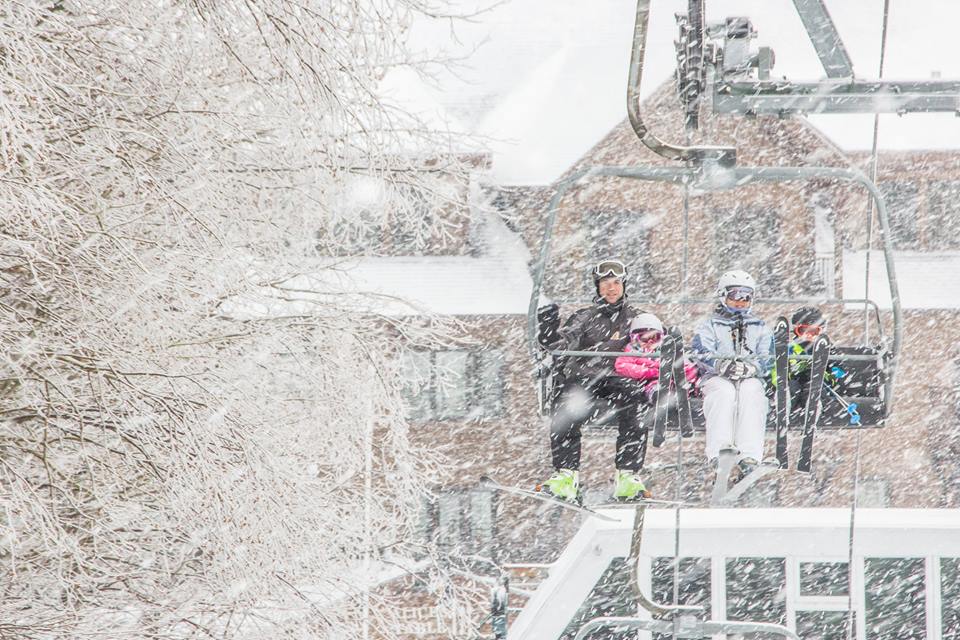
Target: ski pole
x,y
850,407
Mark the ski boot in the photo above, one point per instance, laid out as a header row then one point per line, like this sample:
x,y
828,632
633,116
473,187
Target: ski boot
x,y
744,467
564,485
628,487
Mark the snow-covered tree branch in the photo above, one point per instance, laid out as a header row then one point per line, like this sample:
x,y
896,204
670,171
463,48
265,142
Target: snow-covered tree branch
x,y
170,467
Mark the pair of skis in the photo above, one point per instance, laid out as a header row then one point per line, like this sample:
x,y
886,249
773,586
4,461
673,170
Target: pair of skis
x,y
543,496
820,355
673,395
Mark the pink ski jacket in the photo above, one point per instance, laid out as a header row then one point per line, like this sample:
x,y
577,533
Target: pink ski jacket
x,y
643,368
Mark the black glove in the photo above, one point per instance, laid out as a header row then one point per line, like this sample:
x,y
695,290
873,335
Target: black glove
x,y
737,370
548,321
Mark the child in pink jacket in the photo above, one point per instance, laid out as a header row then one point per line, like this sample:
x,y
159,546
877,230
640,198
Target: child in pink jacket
x,y
646,334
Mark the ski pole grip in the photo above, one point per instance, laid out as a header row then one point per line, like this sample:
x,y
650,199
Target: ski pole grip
x,y
854,414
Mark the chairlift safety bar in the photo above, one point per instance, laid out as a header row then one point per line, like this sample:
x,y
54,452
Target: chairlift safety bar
x,y
737,176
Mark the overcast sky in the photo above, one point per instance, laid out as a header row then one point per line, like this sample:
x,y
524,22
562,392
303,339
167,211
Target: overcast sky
x,y
544,80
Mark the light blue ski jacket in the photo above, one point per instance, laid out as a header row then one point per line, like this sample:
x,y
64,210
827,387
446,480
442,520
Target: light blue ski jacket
x,y
715,336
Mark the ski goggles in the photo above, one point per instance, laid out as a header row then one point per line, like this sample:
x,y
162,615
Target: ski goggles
x,y
646,335
609,268
811,330
741,294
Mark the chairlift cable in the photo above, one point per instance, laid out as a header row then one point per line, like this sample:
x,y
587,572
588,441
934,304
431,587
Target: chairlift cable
x,y
873,175
684,294
866,324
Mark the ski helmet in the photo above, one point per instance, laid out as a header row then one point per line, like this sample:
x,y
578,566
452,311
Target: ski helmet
x,y
807,323
646,321
607,268
807,315
732,281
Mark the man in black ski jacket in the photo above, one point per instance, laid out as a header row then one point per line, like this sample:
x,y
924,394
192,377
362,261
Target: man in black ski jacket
x,y
579,381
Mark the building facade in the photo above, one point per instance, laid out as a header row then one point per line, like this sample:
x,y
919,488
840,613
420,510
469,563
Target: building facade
x,y
475,401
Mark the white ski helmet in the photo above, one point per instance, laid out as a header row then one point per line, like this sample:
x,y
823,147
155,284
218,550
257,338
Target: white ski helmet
x,y
646,321
735,278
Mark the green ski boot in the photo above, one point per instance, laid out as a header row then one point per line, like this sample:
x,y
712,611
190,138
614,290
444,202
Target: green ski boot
x,y
629,487
564,485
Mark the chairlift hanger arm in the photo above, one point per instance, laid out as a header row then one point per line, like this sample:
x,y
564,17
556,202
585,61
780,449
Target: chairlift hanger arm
x,y
725,156
633,560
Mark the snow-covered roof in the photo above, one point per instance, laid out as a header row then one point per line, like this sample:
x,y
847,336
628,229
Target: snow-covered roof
x,y
417,285
495,282
925,280
911,132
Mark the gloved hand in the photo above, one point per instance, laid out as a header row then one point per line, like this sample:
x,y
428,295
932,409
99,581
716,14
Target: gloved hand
x,y
548,321
549,313
737,370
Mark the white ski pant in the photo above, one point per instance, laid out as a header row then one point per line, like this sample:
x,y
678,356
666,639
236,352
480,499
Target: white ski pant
x,y
728,424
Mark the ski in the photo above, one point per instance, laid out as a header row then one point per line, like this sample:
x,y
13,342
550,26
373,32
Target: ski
x,y
684,414
811,412
544,497
738,489
781,346
661,408
623,504
728,458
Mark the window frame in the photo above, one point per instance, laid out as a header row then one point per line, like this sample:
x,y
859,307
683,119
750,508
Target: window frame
x,y
475,536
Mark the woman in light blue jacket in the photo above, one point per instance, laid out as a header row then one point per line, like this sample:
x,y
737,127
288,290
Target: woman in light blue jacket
x,y
735,351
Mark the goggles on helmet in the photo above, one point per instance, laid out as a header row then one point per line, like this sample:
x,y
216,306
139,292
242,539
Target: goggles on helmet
x,y
609,268
743,294
646,335
807,330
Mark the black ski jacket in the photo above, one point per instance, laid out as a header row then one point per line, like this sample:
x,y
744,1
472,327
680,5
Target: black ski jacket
x,y
600,327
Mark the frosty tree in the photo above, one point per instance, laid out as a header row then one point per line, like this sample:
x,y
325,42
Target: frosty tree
x,y
180,454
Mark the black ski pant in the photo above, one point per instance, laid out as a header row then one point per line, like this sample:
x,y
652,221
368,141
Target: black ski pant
x,y
576,404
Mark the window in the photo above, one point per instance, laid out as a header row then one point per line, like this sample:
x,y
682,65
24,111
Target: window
x,y
756,590
943,214
411,226
822,602
749,238
450,384
824,625
901,200
694,584
623,235
824,579
873,492
950,598
460,522
895,599
453,384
